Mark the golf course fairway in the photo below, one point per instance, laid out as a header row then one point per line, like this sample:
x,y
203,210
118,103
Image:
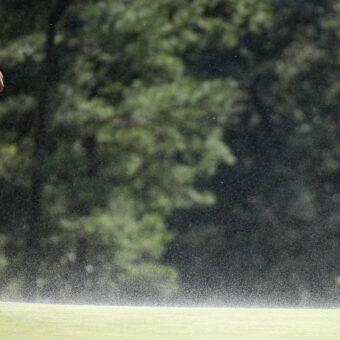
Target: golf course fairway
x,y
46,322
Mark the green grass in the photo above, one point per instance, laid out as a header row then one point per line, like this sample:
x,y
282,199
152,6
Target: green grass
x,y
47,322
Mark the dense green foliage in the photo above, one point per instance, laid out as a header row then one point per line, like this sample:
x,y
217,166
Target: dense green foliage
x,y
170,147
274,230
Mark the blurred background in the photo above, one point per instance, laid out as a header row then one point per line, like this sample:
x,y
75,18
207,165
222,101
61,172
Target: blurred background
x,y
170,151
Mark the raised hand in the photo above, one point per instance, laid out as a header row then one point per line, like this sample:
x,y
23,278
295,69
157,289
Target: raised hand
x,y
2,86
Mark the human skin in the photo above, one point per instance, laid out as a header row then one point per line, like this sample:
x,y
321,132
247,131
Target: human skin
x,y
2,86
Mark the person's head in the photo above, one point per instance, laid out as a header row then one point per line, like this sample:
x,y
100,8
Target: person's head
x,y
1,82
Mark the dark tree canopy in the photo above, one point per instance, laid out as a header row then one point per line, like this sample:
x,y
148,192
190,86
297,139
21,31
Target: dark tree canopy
x,y
156,150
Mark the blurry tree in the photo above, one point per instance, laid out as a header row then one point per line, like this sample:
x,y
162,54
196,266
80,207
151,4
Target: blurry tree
x,y
274,230
116,116
103,135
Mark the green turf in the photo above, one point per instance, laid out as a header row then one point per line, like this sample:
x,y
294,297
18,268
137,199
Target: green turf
x,y
47,322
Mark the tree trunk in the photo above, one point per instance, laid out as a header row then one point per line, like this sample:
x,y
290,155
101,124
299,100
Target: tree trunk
x,y
36,227
79,277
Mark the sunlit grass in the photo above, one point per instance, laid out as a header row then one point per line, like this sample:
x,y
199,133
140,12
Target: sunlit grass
x,y
45,322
